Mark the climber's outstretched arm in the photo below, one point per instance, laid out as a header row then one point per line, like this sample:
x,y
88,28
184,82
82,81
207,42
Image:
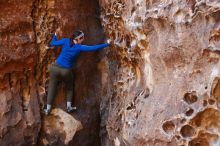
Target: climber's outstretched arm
x,y
93,48
54,42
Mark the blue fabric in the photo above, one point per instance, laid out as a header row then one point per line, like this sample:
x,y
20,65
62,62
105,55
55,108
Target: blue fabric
x,y
68,54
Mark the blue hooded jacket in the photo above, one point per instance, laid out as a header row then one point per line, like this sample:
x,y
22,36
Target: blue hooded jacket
x,y
68,54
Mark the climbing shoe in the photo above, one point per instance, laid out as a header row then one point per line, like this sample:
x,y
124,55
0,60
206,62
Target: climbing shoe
x,y
46,111
71,109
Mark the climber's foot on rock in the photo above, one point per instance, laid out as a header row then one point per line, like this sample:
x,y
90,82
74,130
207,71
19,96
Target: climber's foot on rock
x,y
46,111
71,109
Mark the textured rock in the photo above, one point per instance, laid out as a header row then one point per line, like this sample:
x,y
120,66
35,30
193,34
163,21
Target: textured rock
x,y
19,112
159,83
25,28
162,73
59,128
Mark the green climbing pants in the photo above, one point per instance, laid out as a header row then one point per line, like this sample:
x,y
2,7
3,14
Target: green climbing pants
x,y
58,74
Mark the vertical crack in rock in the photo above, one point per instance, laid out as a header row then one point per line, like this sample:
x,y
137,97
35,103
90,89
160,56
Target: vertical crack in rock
x,y
69,16
44,24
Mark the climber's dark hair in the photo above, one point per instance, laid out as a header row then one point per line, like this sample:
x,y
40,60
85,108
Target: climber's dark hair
x,y
77,34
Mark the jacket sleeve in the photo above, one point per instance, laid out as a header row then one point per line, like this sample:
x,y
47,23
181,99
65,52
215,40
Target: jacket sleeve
x,y
54,42
93,48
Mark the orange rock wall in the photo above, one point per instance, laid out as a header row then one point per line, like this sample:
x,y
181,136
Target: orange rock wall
x,y
162,83
25,33
157,84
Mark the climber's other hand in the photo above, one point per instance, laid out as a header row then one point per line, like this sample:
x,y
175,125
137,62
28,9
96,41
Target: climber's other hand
x,y
109,41
58,32
48,48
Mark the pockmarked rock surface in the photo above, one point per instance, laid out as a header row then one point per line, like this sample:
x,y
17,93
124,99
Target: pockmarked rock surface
x,y
161,81
59,128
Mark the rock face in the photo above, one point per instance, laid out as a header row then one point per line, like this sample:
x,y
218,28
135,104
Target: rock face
x,y
19,105
59,128
158,83
161,81
25,28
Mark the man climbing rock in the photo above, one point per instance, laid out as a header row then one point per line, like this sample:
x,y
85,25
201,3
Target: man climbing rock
x,y
61,70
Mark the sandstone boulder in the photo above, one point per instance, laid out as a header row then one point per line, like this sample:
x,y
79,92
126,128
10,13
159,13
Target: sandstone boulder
x,y
59,128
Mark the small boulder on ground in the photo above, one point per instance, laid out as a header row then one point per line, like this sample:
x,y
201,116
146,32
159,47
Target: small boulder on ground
x,y
59,128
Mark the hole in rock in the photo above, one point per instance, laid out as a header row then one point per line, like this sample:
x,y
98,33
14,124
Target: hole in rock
x,y
38,33
190,98
177,137
187,131
189,112
205,102
183,120
211,101
168,127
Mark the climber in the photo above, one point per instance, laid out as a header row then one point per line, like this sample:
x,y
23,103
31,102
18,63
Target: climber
x,y
61,70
